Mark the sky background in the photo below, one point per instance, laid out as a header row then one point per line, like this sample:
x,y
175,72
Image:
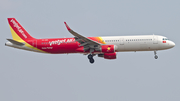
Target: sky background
x,y
133,76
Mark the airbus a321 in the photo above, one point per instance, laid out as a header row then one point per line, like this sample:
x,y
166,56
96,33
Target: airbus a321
x,y
105,47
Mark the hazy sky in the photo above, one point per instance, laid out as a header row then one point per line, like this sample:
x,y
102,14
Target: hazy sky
x,y
29,76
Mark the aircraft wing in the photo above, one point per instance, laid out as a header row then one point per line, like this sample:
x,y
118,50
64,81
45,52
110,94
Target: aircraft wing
x,y
84,41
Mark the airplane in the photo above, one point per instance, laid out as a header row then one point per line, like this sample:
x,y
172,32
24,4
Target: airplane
x,y
105,47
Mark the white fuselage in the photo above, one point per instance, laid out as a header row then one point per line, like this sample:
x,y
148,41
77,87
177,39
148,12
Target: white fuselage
x,y
139,43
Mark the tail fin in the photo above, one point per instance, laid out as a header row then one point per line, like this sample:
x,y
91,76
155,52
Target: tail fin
x,y
17,31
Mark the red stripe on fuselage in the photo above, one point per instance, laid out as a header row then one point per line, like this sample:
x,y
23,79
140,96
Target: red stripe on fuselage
x,y
59,45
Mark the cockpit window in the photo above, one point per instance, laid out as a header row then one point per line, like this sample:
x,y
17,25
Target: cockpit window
x,y
165,39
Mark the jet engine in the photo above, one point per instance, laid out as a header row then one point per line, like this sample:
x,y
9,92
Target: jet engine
x,y
107,48
108,55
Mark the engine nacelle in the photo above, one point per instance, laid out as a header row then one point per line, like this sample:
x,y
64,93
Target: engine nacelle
x,y
108,48
110,55
103,49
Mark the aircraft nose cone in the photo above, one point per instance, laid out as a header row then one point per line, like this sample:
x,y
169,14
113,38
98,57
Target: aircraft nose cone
x,y
172,44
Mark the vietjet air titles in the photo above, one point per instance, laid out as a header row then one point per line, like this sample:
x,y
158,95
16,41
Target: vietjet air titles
x,y
105,47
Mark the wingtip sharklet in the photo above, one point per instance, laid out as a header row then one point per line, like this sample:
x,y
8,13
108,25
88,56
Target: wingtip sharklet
x,y
68,28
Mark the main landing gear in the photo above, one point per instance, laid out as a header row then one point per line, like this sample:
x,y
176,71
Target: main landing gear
x,y
156,57
90,57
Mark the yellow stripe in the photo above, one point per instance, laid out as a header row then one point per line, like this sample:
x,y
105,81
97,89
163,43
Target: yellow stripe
x,y
102,40
17,38
14,35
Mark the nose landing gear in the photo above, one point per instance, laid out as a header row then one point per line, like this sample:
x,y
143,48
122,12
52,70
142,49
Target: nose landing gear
x,y
90,57
156,57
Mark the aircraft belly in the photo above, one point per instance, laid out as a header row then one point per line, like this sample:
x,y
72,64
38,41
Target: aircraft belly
x,y
132,47
121,47
143,47
140,46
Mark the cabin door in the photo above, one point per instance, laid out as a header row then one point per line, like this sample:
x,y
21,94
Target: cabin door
x,y
121,41
155,40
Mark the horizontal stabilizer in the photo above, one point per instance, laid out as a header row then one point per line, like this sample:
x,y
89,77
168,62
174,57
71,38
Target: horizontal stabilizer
x,y
16,42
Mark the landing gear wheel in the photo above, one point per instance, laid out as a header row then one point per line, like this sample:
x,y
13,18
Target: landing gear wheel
x,y
91,60
156,57
90,56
